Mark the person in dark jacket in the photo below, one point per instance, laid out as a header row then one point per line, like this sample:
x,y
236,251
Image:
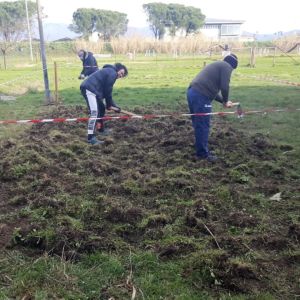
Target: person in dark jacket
x,y
89,63
95,88
212,83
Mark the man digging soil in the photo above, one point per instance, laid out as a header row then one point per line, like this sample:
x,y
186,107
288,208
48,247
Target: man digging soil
x,y
212,83
94,89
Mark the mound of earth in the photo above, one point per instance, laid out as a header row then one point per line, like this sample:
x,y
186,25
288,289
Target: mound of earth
x,y
143,189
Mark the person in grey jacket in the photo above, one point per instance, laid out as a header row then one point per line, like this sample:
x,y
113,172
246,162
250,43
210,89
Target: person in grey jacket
x,y
89,63
94,89
212,83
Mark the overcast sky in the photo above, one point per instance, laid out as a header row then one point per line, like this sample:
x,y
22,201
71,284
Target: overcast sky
x,y
262,16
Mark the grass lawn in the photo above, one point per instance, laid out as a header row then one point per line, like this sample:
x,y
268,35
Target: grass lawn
x,y
138,218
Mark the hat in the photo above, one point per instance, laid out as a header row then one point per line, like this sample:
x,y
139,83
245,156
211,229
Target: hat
x,y
232,60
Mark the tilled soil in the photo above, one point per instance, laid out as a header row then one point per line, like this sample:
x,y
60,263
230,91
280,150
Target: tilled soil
x,y
144,186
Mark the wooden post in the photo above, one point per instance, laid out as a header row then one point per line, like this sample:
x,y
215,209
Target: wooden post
x,y
252,61
274,56
56,83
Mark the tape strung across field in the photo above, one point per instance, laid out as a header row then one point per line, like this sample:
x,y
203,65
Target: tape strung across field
x,y
239,113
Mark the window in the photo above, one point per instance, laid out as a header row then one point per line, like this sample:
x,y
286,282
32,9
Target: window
x,y
210,26
230,29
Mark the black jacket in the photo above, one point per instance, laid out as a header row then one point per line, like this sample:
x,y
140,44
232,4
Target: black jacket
x,y
101,84
89,64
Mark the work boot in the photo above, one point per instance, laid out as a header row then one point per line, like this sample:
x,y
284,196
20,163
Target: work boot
x,y
94,141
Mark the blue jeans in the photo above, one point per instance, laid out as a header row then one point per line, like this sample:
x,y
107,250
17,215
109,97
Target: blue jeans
x,y
200,104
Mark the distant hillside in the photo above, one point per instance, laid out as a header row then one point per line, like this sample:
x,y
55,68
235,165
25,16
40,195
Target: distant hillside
x,y
56,31
272,36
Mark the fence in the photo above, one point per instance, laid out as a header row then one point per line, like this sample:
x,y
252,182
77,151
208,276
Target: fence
x,y
137,49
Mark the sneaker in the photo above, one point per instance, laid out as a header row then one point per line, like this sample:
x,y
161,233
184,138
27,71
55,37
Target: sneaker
x,y
105,131
94,141
210,158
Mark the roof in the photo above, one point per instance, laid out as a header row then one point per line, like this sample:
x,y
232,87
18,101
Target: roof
x,y
222,21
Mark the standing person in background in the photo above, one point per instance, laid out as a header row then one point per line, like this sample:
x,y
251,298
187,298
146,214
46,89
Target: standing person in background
x,y
89,63
94,89
212,83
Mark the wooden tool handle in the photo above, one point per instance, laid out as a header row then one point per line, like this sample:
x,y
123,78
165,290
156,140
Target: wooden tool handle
x,y
128,112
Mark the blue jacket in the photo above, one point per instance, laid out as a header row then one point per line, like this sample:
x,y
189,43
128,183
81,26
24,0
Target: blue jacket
x,y
89,64
101,83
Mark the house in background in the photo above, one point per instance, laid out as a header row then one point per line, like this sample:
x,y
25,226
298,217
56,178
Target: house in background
x,y
215,30
219,29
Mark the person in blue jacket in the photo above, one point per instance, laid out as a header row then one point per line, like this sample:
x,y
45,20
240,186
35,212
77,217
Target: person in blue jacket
x,y
212,83
89,63
94,89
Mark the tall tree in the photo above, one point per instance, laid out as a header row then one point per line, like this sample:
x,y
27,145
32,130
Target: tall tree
x,y
192,20
173,17
111,23
157,17
107,23
84,21
13,23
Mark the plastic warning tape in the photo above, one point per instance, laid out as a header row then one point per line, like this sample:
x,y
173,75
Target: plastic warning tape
x,y
239,113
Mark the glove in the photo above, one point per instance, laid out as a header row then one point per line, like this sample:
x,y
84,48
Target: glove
x,y
81,76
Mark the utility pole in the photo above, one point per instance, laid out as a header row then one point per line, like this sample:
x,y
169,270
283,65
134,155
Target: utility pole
x,y
28,29
43,54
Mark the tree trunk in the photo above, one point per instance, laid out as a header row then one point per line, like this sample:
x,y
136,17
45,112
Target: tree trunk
x,y
4,58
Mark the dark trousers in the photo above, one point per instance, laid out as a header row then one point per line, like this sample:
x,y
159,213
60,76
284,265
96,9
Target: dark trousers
x,y
200,104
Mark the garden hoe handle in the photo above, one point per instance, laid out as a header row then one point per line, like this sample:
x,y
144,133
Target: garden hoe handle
x,y
128,113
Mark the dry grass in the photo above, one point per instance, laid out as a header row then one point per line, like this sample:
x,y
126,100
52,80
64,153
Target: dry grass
x,y
286,43
179,46
95,47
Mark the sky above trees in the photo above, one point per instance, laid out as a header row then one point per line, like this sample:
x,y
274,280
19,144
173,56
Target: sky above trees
x,y
261,16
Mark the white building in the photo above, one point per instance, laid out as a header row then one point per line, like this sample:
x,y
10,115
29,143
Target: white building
x,y
215,29
219,29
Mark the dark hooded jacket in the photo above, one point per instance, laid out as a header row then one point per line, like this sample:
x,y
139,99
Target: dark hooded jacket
x,y
214,78
101,84
89,64
213,81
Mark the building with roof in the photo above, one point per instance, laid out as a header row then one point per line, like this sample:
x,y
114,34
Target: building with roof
x,y
219,29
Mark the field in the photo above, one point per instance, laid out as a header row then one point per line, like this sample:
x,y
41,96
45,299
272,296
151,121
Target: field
x,y
139,217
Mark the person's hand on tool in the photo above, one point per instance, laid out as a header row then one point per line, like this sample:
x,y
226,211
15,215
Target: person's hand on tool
x,y
81,76
115,108
228,104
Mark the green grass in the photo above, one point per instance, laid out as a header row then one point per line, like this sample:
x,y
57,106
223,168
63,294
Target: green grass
x,y
116,273
163,81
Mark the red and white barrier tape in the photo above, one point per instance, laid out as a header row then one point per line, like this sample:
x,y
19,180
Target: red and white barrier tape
x,y
239,113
